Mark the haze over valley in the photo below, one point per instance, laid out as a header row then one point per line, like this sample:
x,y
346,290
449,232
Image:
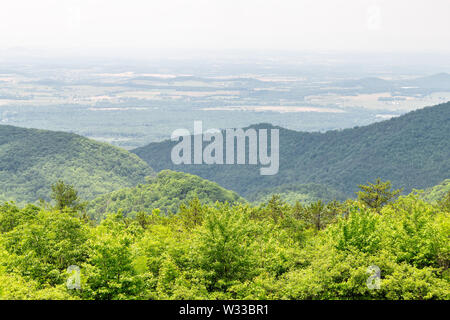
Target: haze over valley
x,y
131,103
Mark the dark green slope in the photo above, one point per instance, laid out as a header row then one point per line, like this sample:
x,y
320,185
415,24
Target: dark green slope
x,y
32,160
413,151
166,192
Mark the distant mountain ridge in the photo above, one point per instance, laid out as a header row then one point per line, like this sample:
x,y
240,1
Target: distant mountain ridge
x,y
420,85
435,81
32,160
413,151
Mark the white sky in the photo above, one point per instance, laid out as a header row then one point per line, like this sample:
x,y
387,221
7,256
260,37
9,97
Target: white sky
x,y
362,25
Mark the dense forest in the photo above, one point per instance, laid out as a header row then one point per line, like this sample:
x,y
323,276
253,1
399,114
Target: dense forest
x,y
229,250
412,151
31,160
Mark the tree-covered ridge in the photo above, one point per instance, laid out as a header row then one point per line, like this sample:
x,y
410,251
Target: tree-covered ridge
x,y
413,151
31,160
223,251
166,192
303,193
436,193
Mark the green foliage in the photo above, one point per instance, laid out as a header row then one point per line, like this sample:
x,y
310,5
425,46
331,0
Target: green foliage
x,y
167,192
31,160
318,214
357,232
225,249
109,272
412,151
43,244
417,232
376,195
438,192
66,196
303,193
230,251
444,203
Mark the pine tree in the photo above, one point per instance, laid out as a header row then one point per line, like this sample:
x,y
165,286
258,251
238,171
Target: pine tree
x,y
378,194
66,196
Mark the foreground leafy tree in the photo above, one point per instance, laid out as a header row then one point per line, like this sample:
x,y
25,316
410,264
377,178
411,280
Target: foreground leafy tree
x,y
12,216
16,287
225,248
108,272
44,245
340,257
417,233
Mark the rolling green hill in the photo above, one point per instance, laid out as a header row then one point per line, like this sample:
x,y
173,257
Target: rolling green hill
x,y
166,192
413,151
32,160
436,193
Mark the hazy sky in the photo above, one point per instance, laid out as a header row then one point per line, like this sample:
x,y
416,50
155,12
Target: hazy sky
x,y
362,25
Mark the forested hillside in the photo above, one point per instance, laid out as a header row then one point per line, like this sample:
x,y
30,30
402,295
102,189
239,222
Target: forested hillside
x,y
437,192
165,192
413,151
32,160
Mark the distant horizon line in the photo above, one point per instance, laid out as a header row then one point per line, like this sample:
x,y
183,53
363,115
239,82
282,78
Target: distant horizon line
x,y
176,50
